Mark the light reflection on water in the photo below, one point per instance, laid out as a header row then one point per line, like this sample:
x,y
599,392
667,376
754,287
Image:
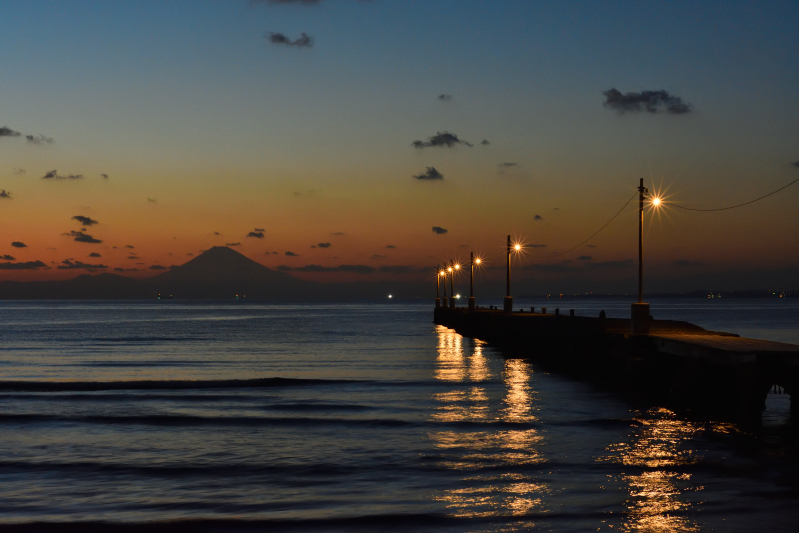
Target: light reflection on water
x,y
656,452
501,490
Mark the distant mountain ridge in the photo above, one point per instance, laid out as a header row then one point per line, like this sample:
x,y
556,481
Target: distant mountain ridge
x,y
217,273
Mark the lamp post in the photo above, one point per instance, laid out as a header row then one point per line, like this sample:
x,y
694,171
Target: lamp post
x,y
471,280
438,287
451,270
508,298
443,274
639,312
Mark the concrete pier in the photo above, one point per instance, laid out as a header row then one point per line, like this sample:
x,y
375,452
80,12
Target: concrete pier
x,y
696,369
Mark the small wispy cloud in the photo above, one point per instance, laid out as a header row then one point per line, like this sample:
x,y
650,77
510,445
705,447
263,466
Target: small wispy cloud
x,y
538,217
324,245
256,234
649,101
438,230
430,174
94,254
390,246
54,175
537,245
39,139
19,244
5,194
441,139
291,254
85,221
796,164
232,244
686,263
445,97
104,176
585,258
20,171
304,40
28,265
80,236
485,142
76,265
152,200
5,131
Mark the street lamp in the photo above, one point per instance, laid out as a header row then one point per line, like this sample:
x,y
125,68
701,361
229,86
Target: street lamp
x,y
472,262
453,268
438,286
639,312
443,274
508,298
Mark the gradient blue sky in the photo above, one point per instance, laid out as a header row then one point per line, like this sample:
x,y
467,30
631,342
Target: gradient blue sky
x,y
188,104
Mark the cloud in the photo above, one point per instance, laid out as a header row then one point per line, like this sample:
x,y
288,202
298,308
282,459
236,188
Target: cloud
x,y
338,233
538,245
256,234
158,267
686,263
626,263
324,245
378,256
39,139
485,142
278,38
438,230
20,171
69,265
508,165
796,164
129,246
445,97
133,257
18,244
9,258
94,254
5,131
53,174
80,236
152,200
400,269
353,269
260,229
390,246
85,221
217,233
232,244
584,258
28,265
5,194
440,139
649,101
291,254
429,175
119,269
104,176
538,217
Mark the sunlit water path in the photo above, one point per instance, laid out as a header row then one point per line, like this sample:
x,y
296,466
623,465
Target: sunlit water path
x,y
382,421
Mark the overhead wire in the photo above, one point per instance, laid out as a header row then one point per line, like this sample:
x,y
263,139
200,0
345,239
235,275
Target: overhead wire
x,y
595,233
678,206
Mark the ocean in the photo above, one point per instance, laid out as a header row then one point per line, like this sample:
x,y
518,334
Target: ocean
x,y
250,416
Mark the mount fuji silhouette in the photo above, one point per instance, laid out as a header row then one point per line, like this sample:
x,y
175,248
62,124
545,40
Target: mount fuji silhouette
x,y
222,272
219,273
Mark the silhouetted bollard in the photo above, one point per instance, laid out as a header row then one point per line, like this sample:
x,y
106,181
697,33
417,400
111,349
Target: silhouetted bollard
x,y
543,310
571,312
532,309
602,315
557,311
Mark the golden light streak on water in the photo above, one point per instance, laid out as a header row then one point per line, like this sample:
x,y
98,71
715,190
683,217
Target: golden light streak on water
x,y
657,452
492,494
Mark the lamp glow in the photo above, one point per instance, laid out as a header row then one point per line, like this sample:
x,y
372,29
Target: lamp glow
x,y
656,201
457,267
517,247
478,261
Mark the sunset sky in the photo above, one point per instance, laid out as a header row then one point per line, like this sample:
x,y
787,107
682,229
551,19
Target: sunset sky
x,y
286,129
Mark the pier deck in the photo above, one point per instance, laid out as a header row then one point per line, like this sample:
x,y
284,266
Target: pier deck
x,y
686,361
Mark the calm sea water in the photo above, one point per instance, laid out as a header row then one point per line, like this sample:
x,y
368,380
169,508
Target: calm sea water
x,y
145,413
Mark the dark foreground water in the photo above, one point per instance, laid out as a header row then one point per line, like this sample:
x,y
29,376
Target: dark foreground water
x,y
147,413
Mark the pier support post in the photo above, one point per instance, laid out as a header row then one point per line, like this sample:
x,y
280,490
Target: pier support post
x,y
640,318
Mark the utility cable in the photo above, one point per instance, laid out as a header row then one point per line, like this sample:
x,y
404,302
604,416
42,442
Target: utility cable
x,y
595,233
678,206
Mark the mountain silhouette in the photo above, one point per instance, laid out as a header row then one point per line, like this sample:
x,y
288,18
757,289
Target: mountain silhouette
x,y
222,272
